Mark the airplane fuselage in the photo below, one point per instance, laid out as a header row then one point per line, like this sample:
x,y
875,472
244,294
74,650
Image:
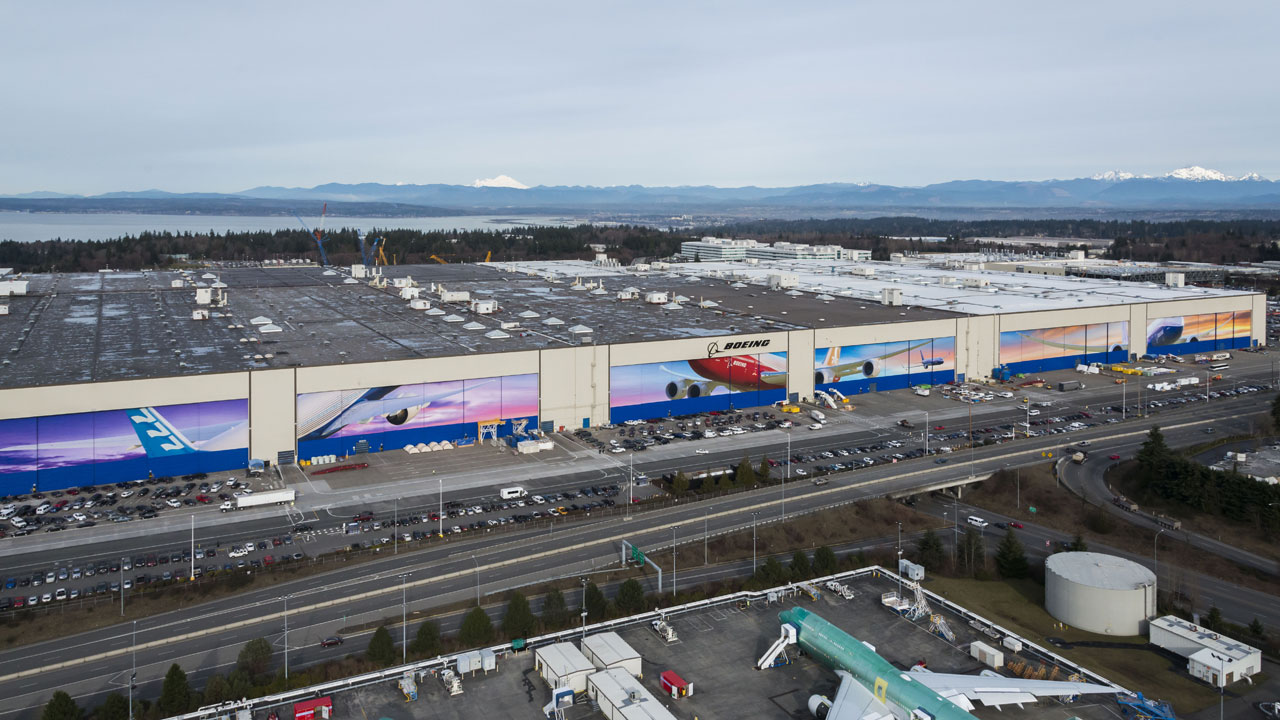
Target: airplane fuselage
x,y
839,650
739,372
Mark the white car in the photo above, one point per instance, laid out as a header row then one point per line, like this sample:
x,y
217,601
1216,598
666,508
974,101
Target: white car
x,y
815,426
126,493
79,517
1033,412
702,451
173,503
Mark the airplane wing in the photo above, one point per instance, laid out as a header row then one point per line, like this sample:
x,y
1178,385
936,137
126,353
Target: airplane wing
x,y
855,702
845,369
375,403
711,385
997,691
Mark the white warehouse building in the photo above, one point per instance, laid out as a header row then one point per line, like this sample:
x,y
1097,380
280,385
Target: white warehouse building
x,y
1211,657
1099,593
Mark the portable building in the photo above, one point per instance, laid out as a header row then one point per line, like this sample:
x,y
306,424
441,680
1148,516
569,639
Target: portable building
x,y
607,650
563,664
622,697
1212,657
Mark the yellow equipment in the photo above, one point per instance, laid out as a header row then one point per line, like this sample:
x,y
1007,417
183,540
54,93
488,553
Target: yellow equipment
x,y
488,255
381,259
437,259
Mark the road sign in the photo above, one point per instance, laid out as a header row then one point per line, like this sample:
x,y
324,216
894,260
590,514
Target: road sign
x,y
636,555
1032,509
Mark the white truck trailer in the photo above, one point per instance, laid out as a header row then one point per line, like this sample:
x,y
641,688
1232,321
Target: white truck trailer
x,y
266,497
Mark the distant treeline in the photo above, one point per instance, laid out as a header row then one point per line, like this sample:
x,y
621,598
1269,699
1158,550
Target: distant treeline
x,y
150,250
1191,240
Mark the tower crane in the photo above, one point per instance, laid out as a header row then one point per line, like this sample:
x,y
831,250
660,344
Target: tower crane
x,y
317,234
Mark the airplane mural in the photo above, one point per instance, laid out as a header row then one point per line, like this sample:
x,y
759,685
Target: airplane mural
x,y
367,411
737,373
871,688
1063,342
857,362
1180,329
692,379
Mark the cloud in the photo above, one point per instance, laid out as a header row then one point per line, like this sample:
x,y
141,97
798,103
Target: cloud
x,y
503,181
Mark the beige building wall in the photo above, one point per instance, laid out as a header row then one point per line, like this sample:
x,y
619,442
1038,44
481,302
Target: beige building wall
x,y
976,346
574,385
272,413
800,345
123,394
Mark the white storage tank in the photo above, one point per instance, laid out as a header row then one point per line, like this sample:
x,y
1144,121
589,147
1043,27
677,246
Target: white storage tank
x,y
1099,593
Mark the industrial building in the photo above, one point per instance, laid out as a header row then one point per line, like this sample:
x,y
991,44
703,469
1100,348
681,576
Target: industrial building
x,y
1099,593
713,248
562,665
1211,657
120,375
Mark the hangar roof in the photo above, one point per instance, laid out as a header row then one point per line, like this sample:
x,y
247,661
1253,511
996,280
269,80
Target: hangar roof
x,y
93,327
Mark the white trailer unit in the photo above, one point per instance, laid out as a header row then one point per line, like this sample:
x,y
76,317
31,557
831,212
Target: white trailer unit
x,y
266,497
608,650
563,665
622,697
986,654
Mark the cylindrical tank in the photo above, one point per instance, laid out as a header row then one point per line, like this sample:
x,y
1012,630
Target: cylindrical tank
x,y
1099,593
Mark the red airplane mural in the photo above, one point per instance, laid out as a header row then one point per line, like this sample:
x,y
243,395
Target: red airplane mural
x,y
737,373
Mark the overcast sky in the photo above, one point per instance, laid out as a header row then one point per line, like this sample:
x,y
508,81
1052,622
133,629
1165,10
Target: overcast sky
x,y
229,95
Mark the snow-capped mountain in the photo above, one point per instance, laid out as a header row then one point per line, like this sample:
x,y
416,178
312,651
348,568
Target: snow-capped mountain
x,y
501,181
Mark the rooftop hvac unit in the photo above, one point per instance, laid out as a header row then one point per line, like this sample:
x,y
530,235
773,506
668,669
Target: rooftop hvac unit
x,y
454,295
657,297
1175,279
409,293
359,271
195,314
783,280
403,282
976,282
891,296
204,296
484,307
419,304
175,283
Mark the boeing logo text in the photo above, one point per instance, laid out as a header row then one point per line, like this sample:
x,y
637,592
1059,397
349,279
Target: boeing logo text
x,y
716,348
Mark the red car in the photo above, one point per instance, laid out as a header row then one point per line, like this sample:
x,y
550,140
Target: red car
x,y
1114,457
939,427
331,641
1015,524
203,499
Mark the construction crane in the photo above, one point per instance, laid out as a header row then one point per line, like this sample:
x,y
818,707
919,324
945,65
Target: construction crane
x,y
370,253
317,234
488,255
439,260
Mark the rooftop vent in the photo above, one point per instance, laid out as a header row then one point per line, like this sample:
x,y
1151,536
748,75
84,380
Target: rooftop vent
x,y
529,314
453,318
496,335
472,326
553,321
579,330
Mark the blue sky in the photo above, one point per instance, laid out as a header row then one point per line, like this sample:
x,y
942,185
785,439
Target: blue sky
x,y
225,96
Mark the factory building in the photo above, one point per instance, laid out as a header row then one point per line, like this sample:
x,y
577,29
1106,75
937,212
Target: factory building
x,y
115,376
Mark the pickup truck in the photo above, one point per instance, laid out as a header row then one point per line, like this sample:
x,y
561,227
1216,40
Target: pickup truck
x,y
905,424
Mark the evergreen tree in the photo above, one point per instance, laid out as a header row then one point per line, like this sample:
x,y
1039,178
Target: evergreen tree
x,y
61,707
824,562
1213,620
427,641
255,658
1153,456
241,684
175,694
931,552
1275,411
746,475
115,707
477,628
1011,559
631,597
800,569
597,606
518,620
762,474
555,613
216,689
680,485
1255,628
382,649
1078,544
772,572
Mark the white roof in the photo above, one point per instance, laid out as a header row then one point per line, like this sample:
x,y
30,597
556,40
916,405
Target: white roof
x,y
564,659
1097,570
1207,639
609,648
618,687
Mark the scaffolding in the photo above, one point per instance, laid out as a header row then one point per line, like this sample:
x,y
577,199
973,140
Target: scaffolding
x,y
920,608
938,626
488,429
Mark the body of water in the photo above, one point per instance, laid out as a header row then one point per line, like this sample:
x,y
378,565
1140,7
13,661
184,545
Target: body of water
x,y
30,227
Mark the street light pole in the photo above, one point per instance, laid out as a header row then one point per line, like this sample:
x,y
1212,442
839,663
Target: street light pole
x,y
441,481
1155,556
286,637
706,556
899,568
584,607
395,525
134,673
1124,404
786,476
193,547
674,528
753,542
926,432
122,586
404,620
477,564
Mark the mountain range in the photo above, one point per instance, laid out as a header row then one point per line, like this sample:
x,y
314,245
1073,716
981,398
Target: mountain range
x,y
1190,188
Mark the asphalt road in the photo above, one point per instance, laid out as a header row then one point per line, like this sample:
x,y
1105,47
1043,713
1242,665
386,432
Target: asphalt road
x,y
208,636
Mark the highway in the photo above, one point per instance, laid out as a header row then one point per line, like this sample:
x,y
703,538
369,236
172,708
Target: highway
x,y
209,636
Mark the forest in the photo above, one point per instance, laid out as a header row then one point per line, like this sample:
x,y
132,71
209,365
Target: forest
x,y
1189,240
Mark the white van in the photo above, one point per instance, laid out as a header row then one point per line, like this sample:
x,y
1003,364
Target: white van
x,y
977,522
513,493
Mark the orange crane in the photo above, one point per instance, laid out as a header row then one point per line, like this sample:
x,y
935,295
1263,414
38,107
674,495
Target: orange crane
x,y
488,255
437,259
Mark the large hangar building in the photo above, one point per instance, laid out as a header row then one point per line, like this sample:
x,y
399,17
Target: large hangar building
x,y
119,375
